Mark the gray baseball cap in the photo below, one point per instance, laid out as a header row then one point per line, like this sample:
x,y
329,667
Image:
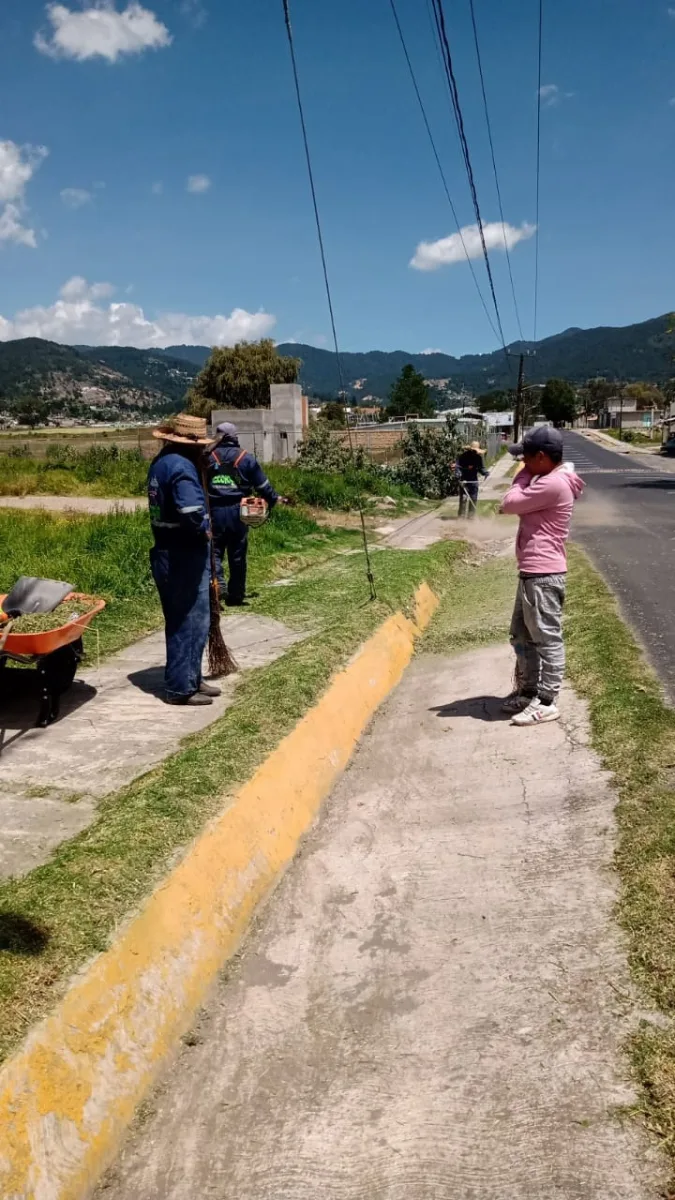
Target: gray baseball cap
x,y
227,429
544,437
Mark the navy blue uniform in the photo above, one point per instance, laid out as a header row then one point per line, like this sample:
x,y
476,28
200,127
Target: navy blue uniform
x,y
180,566
470,465
228,485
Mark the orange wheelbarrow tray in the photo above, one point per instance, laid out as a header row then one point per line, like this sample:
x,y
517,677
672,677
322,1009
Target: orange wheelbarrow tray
x,y
36,645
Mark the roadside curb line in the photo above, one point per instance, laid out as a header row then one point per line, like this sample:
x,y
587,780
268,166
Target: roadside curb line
x,y
69,1093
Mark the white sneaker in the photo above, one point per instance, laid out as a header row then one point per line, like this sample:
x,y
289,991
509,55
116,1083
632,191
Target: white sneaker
x,y
515,703
536,713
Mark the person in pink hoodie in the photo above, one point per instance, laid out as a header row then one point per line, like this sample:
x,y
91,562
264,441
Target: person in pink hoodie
x,y
542,496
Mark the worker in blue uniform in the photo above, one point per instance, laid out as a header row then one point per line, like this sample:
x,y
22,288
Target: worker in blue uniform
x,y
180,557
233,474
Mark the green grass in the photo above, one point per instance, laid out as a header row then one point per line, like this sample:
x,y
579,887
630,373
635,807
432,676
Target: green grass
x,y
55,918
108,556
633,729
476,611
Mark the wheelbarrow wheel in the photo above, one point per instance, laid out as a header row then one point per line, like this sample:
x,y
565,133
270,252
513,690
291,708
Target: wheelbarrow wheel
x,y
57,672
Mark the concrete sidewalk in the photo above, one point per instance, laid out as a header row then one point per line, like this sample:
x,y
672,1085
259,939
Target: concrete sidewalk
x,y
433,1003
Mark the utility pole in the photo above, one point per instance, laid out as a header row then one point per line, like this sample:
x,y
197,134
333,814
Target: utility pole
x,y
520,393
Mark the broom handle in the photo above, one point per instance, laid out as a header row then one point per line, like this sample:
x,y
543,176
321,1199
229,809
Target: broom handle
x,y
212,549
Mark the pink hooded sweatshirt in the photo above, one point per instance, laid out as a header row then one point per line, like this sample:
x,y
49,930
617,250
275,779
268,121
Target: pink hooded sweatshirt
x,y
544,504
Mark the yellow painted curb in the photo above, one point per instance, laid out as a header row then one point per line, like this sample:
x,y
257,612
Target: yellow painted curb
x,y
68,1095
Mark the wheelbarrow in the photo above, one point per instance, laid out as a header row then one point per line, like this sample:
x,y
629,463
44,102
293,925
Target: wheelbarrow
x,y
55,652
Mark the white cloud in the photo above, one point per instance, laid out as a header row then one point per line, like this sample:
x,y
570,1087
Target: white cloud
x,y
195,12
11,229
671,13
79,316
18,164
550,94
672,102
429,256
157,188
76,197
100,31
198,184
432,351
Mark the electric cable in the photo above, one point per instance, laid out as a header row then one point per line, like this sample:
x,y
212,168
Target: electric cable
x,y
434,148
494,164
324,264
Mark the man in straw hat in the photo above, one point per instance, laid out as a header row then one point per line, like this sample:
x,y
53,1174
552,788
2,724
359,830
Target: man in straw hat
x,y
180,557
470,465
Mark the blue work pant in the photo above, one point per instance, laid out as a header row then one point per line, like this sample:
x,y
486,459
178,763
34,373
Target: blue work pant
x,y
182,576
230,538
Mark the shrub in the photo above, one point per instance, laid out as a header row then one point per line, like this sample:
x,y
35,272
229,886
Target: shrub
x,y
427,458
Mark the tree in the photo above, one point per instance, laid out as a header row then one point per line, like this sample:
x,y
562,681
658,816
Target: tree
x,y
333,413
32,413
558,402
645,395
596,394
497,401
240,377
410,395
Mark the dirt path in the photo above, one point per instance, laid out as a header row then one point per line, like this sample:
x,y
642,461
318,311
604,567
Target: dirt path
x,y
434,1001
79,504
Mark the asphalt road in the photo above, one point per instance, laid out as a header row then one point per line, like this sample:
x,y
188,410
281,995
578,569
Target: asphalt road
x,y
626,521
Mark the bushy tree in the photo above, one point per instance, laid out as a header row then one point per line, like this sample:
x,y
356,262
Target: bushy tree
x,y
410,395
497,401
240,377
427,460
558,402
333,414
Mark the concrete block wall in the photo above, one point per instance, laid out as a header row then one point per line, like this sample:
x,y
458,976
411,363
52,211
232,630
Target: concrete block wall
x,y
273,433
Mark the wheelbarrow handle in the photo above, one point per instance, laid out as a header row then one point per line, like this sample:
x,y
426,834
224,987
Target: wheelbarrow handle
x,y
5,631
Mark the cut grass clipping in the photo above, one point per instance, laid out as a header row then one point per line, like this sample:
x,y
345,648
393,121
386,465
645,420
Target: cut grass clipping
x,y
54,919
633,729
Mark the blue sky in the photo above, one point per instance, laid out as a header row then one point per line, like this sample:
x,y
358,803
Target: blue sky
x,y
153,186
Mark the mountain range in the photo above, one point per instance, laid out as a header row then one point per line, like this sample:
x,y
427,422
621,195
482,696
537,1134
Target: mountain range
x,y
83,378
86,377
628,352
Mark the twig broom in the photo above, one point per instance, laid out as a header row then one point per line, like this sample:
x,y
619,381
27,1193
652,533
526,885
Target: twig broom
x,y
221,661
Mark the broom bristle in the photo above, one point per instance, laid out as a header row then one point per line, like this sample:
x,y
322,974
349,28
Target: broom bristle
x,y
221,661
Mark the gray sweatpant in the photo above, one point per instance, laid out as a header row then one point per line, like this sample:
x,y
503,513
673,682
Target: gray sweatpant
x,y
536,635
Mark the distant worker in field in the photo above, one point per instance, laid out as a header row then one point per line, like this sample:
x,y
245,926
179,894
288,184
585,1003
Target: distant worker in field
x,y
180,557
234,475
470,465
542,495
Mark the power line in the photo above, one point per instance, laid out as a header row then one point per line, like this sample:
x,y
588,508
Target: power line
x,y
439,15
494,165
324,264
439,164
536,235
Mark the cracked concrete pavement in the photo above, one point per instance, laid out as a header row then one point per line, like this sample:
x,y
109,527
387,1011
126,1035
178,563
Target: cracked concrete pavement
x,y
433,1003
114,726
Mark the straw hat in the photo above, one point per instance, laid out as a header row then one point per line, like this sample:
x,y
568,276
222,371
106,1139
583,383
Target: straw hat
x,y
476,446
186,429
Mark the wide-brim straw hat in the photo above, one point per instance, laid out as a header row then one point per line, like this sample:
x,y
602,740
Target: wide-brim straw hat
x,y
476,446
186,429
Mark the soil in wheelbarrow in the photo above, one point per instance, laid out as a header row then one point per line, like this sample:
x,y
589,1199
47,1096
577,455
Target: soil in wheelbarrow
x,y
62,615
